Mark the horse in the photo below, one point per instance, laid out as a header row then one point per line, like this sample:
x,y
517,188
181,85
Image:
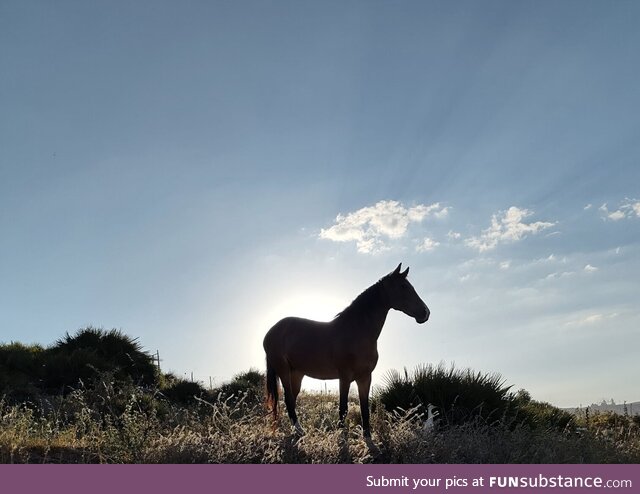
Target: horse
x,y
344,348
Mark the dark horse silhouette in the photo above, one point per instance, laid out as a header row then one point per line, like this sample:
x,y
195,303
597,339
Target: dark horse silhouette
x,y
344,348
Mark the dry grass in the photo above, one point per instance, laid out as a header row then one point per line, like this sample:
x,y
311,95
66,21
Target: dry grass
x,y
150,430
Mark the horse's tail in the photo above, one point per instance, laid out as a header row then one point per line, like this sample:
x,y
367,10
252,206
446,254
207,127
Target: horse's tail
x,y
272,390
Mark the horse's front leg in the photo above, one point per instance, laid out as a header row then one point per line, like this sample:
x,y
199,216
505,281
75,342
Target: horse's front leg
x,y
344,396
290,396
364,384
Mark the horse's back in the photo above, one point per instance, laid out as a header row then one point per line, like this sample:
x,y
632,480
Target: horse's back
x,y
291,329
304,344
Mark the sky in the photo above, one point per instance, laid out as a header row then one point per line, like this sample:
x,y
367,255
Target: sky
x,y
191,172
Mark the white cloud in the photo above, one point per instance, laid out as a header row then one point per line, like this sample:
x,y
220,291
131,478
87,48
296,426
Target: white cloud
x,y
504,265
442,213
454,235
558,275
370,226
627,209
616,215
427,245
590,269
591,319
588,206
507,226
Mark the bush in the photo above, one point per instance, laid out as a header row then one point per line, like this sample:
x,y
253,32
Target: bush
x,y
182,391
458,395
246,389
540,415
91,352
29,371
21,370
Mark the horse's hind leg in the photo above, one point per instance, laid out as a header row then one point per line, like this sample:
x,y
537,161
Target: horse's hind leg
x,y
291,382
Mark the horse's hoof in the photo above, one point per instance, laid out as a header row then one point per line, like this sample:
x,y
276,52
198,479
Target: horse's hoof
x,y
298,429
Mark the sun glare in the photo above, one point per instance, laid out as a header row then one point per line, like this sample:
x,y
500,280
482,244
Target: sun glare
x,y
314,305
318,306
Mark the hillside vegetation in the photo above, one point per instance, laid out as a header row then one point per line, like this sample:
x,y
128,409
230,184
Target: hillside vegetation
x,y
96,397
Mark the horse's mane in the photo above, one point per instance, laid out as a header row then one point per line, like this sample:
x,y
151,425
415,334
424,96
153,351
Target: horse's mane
x,y
364,302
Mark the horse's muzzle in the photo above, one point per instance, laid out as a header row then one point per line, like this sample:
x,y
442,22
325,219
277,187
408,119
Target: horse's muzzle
x,y
423,317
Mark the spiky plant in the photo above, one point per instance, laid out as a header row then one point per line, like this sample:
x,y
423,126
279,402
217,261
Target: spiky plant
x,y
92,351
460,395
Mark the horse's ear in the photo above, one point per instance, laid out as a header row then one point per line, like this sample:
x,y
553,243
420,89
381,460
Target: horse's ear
x,y
405,273
397,270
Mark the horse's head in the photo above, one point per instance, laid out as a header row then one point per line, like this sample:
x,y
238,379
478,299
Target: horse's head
x,y
403,297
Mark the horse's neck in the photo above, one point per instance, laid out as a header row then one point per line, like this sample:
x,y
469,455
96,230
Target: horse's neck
x,y
369,323
377,320
379,313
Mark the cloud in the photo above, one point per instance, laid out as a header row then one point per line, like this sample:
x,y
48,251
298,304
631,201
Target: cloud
x,y
559,275
507,226
427,245
627,209
466,278
370,226
590,269
442,213
454,235
590,319
616,215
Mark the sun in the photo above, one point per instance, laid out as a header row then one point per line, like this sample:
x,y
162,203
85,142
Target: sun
x,y
315,304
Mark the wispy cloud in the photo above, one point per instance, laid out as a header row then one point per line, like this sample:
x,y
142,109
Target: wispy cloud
x,y
441,213
370,227
559,275
427,245
628,208
507,226
590,319
590,269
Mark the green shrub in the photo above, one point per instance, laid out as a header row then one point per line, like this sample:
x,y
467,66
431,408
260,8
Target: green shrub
x,y
21,370
182,391
458,395
539,415
91,352
244,392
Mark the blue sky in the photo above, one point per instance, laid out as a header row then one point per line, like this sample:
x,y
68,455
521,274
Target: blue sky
x,y
190,172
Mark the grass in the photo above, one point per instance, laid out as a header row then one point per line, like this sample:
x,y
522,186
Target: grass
x,y
95,397
136,425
